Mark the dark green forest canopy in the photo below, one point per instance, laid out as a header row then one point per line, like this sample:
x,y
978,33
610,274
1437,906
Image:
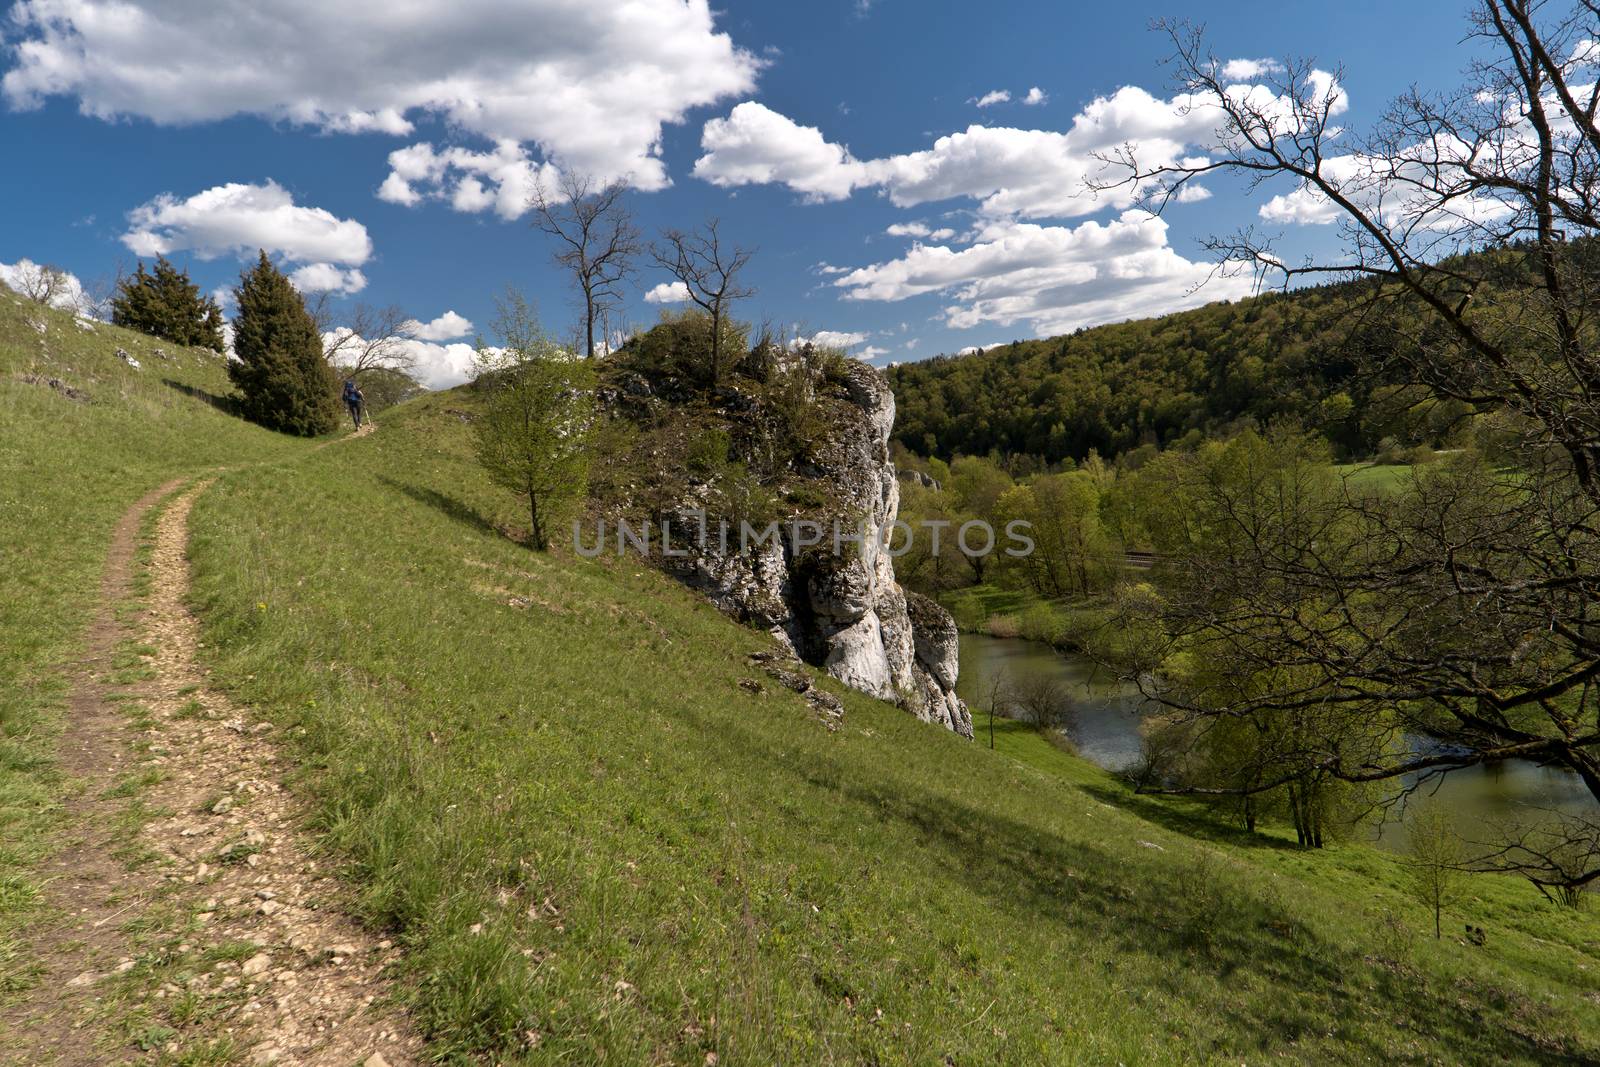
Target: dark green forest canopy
x,y
1114,388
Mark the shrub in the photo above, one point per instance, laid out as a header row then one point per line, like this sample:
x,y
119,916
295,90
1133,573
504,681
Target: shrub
x,y
680,344
709,454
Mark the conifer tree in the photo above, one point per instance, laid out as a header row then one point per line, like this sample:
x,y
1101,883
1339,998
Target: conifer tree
x,y
286,382
166,304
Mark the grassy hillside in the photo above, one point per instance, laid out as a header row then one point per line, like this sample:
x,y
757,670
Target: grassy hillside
x,y
70,464
552,778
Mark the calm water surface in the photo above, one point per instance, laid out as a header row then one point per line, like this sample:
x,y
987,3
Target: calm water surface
x,y
1109,714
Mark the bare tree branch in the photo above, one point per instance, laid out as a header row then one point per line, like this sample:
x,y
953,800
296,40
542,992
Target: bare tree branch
x,y
371,338
709,272
595,240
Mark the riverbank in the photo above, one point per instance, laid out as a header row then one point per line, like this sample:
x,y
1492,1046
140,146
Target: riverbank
x,y
1108,715
996,611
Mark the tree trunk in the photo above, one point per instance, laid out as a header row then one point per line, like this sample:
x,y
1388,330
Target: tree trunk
x,y
535,532
1298,813
716,347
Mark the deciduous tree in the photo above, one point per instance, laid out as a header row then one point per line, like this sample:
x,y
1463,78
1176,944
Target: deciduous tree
x,y
595,241
1464,602
709,271
532,437
1434,861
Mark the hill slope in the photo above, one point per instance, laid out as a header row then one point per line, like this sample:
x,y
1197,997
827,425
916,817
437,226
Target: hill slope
x,y
1113,388
551,776
552,780
83,434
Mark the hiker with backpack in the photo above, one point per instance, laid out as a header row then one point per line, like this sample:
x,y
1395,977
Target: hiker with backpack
x,y
355,401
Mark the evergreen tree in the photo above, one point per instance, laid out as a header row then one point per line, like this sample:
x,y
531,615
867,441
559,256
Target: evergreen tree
x,y
166,304
286,382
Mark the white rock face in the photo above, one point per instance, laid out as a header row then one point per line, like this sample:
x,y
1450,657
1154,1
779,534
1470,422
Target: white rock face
x,y
845,611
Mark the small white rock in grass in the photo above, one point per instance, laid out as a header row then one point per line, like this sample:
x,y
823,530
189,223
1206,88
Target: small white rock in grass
x,y
123,355
87,325
256,964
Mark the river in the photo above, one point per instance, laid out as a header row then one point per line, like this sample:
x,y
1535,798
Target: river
x,y
1108,714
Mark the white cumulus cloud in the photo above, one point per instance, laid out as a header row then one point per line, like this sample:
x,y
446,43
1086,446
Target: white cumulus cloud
x,y
667,293
755,145
1010,172
435,365
591,83
1243,70
238,218
1035,97
447,327
920,230
834,339
993,97
503,179
327,278
1055,278
440,366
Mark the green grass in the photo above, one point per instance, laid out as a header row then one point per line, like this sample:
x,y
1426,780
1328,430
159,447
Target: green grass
x,y
544,778
68,470
1005,611
1381,476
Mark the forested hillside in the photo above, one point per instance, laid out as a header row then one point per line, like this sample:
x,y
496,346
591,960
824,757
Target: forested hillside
x,y
1155,381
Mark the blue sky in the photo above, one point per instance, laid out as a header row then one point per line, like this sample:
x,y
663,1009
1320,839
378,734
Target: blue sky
x,y
810,129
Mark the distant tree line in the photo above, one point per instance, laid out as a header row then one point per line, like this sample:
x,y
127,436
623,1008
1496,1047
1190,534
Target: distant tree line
x,y
1172,381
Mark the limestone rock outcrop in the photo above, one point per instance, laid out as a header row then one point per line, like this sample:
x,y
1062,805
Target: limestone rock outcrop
x,y
839,607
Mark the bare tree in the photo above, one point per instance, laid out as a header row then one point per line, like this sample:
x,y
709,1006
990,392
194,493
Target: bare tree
x,y
595,240
709,272
1434,862
371,338
41,282
1045,701
1466,606
996,689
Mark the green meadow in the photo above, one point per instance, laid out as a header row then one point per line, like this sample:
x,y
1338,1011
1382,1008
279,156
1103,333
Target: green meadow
x,y
543,777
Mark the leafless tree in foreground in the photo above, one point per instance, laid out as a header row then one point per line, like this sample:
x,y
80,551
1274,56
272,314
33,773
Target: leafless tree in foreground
x,y
595,240
1465,606
709,272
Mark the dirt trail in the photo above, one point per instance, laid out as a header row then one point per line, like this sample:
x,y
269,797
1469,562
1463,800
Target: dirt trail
x,y
208,917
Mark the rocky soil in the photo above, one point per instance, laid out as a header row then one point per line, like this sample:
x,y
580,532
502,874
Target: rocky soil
x,y
188,915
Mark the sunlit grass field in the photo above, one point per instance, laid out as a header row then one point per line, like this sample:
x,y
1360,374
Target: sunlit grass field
x,y
1380,476
68,469
546,778
543,775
